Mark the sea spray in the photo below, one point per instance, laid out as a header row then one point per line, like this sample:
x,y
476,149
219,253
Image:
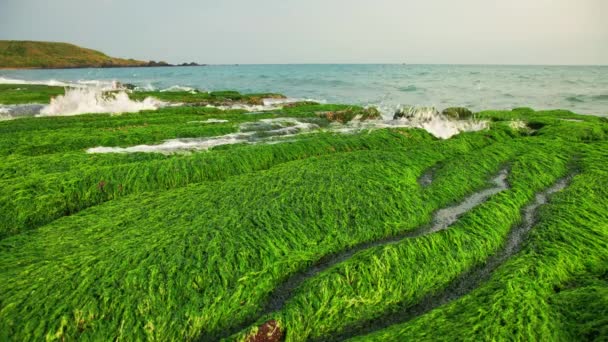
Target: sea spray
x,y
95,100
105,85
427,118
178,88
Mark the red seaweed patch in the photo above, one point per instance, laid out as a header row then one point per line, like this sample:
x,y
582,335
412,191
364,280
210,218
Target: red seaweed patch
x,y
267,332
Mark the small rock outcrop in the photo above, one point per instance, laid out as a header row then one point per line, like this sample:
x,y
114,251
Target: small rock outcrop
x,y
267,332
458,113
158,64
191,64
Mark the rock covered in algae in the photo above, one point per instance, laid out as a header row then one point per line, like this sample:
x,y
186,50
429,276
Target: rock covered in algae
x,y
458,113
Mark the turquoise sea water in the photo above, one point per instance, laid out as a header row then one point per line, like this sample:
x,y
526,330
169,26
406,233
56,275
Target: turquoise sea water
x,y
582,89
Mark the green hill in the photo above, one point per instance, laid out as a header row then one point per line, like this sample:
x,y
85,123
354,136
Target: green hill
x,y
31,54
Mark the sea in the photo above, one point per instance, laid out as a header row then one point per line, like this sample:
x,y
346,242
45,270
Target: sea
x,y
581,89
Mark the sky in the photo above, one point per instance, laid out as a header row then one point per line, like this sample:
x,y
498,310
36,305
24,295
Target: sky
x,y
321,31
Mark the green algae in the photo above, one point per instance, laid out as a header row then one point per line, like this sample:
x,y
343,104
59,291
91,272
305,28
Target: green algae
x,y
190,246
27,93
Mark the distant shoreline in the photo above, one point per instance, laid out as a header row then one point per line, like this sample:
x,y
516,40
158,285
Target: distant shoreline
x,y
102,67
34,55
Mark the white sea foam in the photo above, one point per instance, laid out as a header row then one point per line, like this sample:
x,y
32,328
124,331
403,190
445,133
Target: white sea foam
x,y
94,100
267,104
249,108
177,88
427,118
262,131
146,87
517,125
175,145
288,100
4,80
278,129
209,121
104,85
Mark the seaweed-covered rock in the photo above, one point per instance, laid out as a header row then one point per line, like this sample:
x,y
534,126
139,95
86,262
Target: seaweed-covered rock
x,y
258,99
299,104
459,113
349,114
129,86
370,113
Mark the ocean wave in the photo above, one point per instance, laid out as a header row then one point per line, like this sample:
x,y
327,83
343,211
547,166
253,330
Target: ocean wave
x,y
601,97
56,83
209,121
178,88
407,89
95,100
105,85
146,87
587,98
576,99
427,118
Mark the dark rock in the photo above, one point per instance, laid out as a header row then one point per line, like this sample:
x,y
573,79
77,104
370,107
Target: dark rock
x,y
404,113
158,64
129,86
267,332
458,113
190,64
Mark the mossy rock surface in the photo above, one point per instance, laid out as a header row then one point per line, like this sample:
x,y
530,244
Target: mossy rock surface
x,y
459,113
348,114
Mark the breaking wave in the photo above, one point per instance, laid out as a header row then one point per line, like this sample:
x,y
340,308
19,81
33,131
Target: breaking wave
x,y
209,121
427,118
178,88
94,100
94,96
104,85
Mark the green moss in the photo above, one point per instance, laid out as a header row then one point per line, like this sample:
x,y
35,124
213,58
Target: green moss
x,y
187,246
26,93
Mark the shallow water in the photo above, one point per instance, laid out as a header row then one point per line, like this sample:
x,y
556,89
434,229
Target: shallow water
x,y
442,219
467,281
582,89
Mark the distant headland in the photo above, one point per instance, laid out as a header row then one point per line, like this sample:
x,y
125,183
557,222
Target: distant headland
x,y
21,54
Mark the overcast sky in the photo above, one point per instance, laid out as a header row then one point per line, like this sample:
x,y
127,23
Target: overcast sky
x,y
321,31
